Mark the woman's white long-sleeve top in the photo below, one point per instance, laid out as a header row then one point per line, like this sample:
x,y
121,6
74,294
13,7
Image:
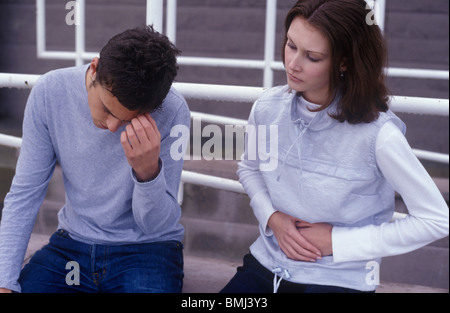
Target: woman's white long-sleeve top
x,y
362,233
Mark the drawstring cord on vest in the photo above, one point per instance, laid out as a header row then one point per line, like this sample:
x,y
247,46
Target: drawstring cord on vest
x,y
289,151
276,282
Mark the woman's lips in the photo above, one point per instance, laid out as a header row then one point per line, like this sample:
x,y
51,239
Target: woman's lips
x,y
295,79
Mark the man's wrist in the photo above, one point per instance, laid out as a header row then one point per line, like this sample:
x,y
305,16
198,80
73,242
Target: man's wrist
x,y
149,177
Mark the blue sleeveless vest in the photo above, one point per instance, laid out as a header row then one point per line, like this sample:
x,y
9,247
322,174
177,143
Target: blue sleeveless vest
x,y
326,172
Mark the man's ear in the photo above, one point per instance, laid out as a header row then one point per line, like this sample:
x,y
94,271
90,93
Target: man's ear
x,y
93,68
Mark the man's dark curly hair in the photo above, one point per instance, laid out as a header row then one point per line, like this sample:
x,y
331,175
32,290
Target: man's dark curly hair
x,y
138,67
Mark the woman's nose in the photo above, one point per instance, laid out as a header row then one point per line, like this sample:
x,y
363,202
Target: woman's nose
x,y
294,64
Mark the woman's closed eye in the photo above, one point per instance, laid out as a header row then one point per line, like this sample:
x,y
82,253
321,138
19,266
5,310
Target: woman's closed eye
x,y
313,59
292,46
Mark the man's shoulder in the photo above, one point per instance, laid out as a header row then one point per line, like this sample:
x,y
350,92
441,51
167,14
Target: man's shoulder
x,y
57,77
65,72
174,110
175,100
175,104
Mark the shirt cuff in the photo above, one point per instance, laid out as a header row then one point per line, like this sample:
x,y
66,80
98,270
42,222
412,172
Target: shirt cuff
x,y
263,210
351,243
133,174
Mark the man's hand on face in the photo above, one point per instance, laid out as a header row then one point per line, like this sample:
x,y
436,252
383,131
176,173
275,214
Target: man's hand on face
x,y
141,142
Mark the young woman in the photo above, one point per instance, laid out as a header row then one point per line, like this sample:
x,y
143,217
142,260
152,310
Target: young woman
x,y
325,211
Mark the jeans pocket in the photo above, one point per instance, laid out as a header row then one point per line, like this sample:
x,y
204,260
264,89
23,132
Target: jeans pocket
x,y
63,234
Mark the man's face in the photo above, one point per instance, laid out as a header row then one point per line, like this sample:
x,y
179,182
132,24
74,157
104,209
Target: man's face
x,y
106,110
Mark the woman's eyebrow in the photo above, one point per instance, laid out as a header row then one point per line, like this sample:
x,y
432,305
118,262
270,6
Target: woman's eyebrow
x,y
309,51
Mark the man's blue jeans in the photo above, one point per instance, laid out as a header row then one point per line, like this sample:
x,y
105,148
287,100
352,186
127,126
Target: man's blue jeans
x,y
138,268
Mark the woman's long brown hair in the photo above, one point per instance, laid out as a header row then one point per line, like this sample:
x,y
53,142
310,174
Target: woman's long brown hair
x,y
356,41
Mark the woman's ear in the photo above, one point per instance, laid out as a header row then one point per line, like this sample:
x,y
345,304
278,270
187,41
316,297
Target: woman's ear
x,y
343,67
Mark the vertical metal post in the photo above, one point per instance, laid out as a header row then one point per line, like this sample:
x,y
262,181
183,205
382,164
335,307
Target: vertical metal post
x,y
380,13
40,27
269,49
171,24
155,11
80,31
379,8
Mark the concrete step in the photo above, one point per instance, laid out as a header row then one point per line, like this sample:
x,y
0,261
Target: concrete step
x,y
220,225
230,241
209,275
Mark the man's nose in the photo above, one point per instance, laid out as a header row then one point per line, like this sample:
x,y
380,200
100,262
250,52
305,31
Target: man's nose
x,y
113,124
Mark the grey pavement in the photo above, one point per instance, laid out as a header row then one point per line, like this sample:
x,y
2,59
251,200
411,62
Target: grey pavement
x,y
208,275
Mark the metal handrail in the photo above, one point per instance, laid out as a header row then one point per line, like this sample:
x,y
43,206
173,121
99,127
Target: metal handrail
x,y
413,105
187,177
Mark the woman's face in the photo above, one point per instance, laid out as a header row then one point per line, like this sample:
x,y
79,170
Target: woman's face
x,y
308,61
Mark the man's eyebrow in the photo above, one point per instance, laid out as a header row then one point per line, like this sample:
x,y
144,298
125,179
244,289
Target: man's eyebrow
x,y
109,112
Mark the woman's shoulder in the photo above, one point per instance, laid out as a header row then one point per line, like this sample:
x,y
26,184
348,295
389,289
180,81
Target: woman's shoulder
x,y
274,104
275,98
390,118
278,92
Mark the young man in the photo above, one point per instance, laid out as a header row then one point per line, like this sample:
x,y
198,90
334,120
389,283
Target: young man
x,y
107,124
